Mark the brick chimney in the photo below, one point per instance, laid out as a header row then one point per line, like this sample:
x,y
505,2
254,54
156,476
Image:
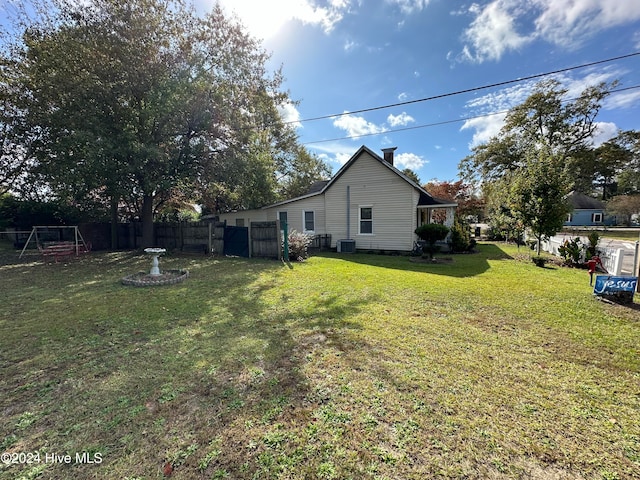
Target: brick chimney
x,y
388,154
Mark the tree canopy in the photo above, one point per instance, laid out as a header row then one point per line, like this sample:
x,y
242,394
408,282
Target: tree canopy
x,y
544,150
546,119
133,103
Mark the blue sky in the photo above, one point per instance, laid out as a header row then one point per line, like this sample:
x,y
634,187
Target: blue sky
x,y
346,55
342,56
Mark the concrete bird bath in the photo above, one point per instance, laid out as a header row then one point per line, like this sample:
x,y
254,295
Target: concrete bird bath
x,y
155,276
155,253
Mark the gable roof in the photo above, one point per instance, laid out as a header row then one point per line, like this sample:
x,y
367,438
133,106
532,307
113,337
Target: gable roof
x,y
580,201
317,189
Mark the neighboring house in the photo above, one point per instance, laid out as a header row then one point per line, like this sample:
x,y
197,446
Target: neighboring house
x,y
368,201
587,211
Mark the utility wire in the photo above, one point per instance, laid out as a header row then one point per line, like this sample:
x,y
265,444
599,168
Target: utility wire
x,y
436,124
468,90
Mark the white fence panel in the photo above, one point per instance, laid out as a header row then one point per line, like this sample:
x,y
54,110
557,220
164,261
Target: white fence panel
x,y
611,257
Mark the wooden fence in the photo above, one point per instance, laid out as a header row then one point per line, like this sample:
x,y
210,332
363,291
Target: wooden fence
x,y
207,237
265,240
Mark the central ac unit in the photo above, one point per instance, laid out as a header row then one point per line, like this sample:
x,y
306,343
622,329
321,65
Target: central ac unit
x,y
346,246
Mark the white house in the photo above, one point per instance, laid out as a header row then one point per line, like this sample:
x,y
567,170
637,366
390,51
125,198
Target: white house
x,y
368,202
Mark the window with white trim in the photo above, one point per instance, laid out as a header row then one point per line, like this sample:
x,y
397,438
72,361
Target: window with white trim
x,y
365,220
596,217
309,220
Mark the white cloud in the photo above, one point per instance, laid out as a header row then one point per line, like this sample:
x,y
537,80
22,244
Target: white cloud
x,y
334,153
627,99
568,22
502,99
493,31
409,160
410,6
403,96
290,114
356,126
505,25
604,131
485,128
400,120
490,109
263,19
350,45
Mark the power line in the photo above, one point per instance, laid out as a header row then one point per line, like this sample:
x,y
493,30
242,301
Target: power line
x,y
436,124
468,90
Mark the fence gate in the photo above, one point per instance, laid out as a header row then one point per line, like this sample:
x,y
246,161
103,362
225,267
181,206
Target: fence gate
x,y
236,241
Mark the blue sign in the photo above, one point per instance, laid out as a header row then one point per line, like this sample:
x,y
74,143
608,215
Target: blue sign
x,y
606,285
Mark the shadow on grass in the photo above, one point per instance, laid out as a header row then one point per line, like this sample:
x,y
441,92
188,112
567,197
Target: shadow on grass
x,y
144,376
461,265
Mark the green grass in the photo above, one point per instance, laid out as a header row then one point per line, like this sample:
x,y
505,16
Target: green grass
x,y
353,366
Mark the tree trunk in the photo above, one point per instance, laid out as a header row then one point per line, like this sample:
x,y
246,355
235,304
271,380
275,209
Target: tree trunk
x,y
147,221
114,223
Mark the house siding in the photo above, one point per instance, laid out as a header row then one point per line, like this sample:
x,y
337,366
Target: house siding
x,y
585,218
392,199
370,182
295,213
247,216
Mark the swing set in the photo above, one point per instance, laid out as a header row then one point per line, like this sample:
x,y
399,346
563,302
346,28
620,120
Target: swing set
x,y
56,248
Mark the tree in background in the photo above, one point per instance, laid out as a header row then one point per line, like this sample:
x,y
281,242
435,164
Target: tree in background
x,y
625,207
536,196
129,101
470,204
542,152
564,128
611,158
628,177
413,176
303,171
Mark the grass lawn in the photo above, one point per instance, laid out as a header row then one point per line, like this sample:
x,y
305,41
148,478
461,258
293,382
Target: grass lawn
x,y
352,366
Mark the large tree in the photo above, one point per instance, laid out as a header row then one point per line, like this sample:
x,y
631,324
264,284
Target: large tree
x,y
565,128
628,175
536,195
625,207
129,101
544,150
463,193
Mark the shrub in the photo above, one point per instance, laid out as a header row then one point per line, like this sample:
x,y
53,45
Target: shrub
x,y
592,248
571,251
539,261
298,245
460,236
431,233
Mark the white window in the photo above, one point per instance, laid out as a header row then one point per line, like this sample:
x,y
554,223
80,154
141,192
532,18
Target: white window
x,y
366,220
596,217
309,220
